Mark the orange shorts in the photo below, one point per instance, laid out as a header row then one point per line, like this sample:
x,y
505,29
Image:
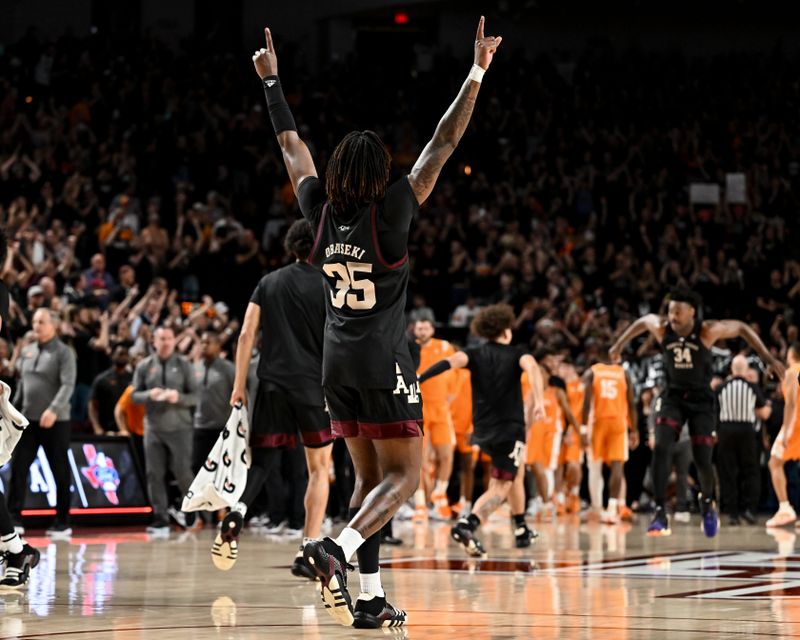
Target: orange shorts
x,y
438,425
610,440
788,451
571,452
544,446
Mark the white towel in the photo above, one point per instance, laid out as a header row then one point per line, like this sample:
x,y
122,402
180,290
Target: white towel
x,y
221,480
12,424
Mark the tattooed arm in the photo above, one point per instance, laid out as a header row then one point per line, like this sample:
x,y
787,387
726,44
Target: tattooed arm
x,y
454,122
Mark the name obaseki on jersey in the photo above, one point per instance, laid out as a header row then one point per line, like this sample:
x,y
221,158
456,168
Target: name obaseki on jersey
x,y
412,392
345,250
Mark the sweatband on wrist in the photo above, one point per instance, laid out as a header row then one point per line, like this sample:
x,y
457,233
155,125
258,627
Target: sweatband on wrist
x,y
279,112
476,73
435,370
583,430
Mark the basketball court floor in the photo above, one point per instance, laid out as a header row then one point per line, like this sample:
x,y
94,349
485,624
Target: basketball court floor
x,y
578,581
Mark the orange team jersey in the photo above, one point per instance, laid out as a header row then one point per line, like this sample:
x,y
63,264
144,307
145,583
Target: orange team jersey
x,y
437,391
134,413
544,437
609,393
461,410
791,449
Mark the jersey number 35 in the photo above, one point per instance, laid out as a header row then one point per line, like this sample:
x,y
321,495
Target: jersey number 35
x,y
357,294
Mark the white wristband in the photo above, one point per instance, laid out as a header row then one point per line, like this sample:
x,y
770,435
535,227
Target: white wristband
x,y
476,73
583,430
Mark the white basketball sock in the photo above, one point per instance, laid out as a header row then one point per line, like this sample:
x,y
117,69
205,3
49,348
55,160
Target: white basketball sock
x,y
371,583
349,540
12,542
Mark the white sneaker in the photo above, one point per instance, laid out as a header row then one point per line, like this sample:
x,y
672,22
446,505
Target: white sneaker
x,y
684,517
607,517
782,518
405,512
292,533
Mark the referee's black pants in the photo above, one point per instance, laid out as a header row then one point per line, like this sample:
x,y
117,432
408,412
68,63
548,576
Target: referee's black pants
x,y
55,442
737,464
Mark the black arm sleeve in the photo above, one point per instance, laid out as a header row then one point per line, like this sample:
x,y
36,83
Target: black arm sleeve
x,y
435,370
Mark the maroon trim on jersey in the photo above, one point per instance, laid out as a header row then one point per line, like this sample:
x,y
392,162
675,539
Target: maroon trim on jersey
x,y
319,234
273,440
672,423
374,218
316,438
502,474
703,441
376,430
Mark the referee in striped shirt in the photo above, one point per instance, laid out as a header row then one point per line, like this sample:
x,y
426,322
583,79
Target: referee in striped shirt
x,y
741,405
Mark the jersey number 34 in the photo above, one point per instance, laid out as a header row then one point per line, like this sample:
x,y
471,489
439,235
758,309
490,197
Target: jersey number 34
x,y
356,293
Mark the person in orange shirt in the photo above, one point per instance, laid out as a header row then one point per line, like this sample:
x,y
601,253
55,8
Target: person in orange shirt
x,y
544,436
461,410
572,452
609,400
130,422
440,436
787,444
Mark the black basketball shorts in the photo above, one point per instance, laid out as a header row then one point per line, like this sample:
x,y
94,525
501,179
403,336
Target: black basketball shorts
x,y
675,408
279,415
376,414
506,457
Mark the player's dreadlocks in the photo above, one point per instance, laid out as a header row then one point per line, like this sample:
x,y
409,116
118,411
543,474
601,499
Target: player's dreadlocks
x,y
358,171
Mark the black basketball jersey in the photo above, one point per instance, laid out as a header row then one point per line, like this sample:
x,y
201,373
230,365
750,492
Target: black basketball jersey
x,y
365,333
687,360
498,413
292,301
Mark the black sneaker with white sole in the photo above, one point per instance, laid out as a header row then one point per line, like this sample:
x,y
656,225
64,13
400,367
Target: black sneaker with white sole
x,y
463,533
301,568
524,535
225,549
328,561
374,612
18,567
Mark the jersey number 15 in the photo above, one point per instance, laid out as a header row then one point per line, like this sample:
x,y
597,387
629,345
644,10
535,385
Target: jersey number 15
x,y
357,294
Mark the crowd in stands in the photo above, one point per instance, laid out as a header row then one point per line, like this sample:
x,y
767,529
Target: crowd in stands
x,y
142,185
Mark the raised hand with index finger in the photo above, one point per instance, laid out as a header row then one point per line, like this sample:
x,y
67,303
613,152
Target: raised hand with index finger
x,y
265,60
485,46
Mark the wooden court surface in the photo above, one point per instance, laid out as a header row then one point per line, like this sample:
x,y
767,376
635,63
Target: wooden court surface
x,y
577,581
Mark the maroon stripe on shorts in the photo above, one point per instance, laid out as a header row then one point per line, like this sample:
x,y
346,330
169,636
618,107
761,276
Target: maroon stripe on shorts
x,y
672,423
703,441
388,430
273,440
344,428
502,474
316,438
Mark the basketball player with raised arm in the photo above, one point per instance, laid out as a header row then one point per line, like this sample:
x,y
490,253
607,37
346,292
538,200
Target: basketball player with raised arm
x,y
686,343
369,380
498,414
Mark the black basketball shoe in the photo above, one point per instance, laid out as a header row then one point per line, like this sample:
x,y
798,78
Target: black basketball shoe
x,y
524,536
225,549
463,533
374,612
328,561
18,567
301,568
